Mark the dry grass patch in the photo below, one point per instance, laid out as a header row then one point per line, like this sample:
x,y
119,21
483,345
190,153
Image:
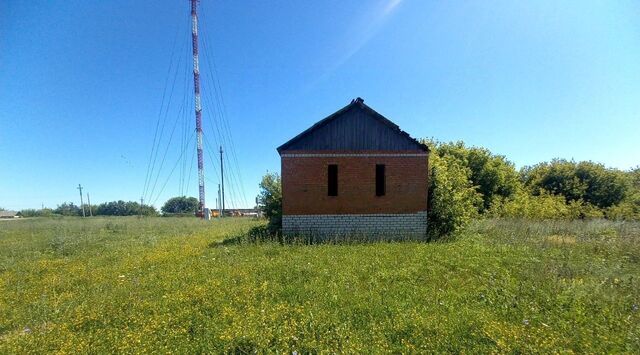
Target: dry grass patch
x,y
561,240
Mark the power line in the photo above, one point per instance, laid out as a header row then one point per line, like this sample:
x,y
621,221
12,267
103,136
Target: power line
x,y
159,141
221,107
166,151
225,141
155,135
185,127
220,128
170,174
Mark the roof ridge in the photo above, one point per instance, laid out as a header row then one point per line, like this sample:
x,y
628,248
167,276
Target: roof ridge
x,y
357,102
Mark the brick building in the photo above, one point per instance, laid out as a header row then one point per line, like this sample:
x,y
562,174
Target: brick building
x,y
354,173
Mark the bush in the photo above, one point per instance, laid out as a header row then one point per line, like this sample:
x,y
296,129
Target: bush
x,y
524,205
181,205
584,210
492,175
270,200
590,182
68,209
453,200
31,212
122,208
628,210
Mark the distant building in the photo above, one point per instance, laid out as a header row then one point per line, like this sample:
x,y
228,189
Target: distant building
x,y
354,173
243,212
8,214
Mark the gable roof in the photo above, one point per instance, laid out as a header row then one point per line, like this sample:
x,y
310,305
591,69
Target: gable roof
x,y
394,138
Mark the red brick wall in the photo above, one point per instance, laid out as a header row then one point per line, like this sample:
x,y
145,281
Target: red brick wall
x,y
304,184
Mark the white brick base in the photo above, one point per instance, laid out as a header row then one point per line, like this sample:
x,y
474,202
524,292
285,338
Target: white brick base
x,y
369,226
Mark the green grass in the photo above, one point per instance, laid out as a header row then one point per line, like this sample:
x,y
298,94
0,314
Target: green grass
x,y
167,284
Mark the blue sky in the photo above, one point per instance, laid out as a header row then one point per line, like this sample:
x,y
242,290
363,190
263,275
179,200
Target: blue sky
x,y
81,85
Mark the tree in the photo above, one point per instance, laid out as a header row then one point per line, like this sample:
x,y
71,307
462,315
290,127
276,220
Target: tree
x,y
453,200
122,208
68,209
30,212
587,181
114,208
147,210
634,178
522,204
492,175
270,200
629,208
181,205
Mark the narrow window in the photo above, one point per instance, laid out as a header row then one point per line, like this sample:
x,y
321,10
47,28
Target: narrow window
x,y
333,180
380,180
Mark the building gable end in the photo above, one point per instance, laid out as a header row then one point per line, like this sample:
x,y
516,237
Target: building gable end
x,y
355,127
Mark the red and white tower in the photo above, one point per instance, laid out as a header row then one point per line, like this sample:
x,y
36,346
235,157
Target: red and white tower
x,y
198,102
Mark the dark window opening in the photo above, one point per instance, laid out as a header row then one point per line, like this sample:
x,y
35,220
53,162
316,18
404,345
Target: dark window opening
x,y
333,180
380,180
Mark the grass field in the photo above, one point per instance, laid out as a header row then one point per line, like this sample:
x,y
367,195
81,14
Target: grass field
x,y
167,284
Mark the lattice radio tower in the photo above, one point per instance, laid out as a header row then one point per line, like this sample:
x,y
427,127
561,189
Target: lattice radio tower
x,y
198,103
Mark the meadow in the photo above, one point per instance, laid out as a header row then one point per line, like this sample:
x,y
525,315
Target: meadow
x,y
131,285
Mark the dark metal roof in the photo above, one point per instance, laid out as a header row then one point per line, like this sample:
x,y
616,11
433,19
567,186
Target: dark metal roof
x,y
354,127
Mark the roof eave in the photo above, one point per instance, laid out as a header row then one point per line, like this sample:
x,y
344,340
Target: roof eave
x,y
394,126
359,102
318,124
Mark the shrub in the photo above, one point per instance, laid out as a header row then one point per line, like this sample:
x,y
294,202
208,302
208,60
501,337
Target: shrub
x,y
628,210
68,209
590,182
270,200
122,208
583,210
492,175
181,205
524,205
453,200
30,212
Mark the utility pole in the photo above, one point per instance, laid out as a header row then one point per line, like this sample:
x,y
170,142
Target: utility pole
x,y
219,202
198,105
222,175
81,201
89,203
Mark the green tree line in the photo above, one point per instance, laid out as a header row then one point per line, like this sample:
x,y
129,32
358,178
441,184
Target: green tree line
x,y
113,208
472,182
180,205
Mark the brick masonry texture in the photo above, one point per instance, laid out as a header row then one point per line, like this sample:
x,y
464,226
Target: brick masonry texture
x,y
304,183
404,226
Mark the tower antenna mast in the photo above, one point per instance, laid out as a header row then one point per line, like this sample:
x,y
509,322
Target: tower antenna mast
x,y
198,105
